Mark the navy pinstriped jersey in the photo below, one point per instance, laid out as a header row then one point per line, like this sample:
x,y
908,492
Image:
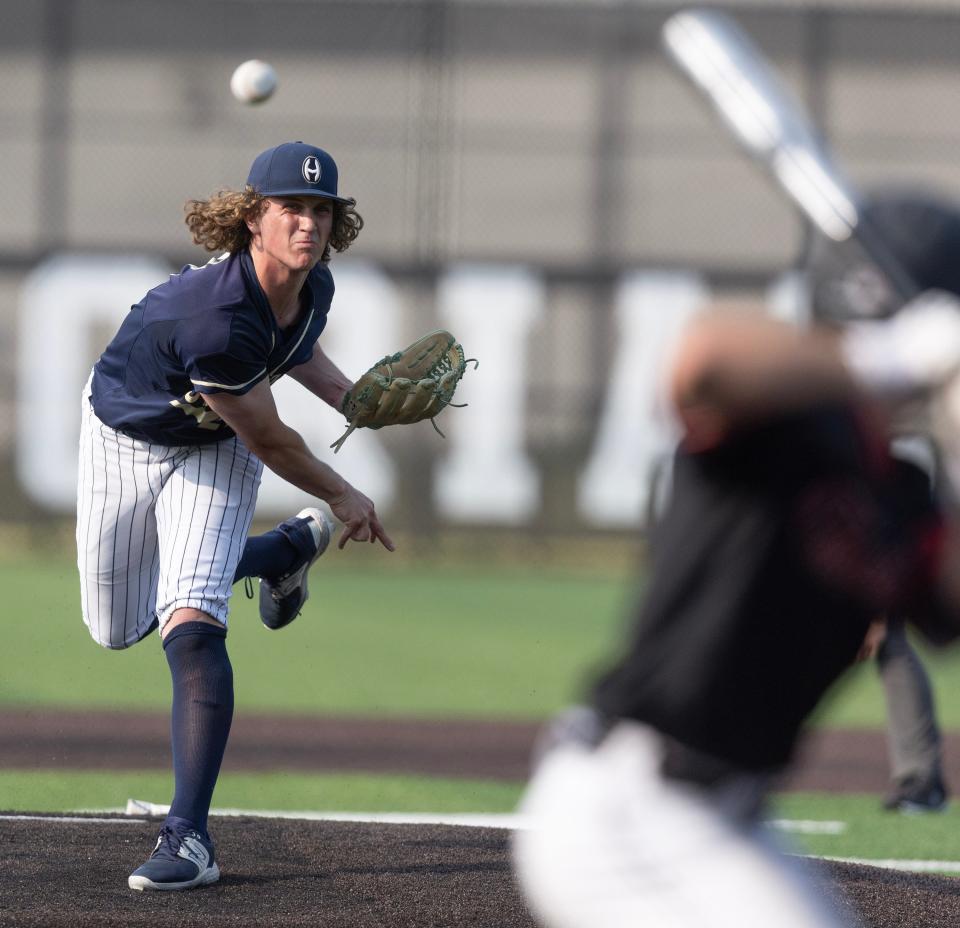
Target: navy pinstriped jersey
x,y
207,329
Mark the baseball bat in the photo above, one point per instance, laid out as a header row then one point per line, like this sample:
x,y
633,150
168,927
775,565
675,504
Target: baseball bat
x,y
752,101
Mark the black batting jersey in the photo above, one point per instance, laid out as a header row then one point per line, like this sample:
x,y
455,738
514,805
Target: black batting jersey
x,y
208,329
777,550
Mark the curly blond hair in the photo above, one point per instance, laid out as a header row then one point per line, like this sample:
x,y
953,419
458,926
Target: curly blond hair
x,y
220,222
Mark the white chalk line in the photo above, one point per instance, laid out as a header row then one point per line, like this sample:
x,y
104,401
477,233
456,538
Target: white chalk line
x,y
135,809
802,826
915,866
75,818
477,820
469,819
141,808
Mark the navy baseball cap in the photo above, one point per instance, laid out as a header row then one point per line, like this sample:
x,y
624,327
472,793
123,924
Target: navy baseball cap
x,y
295,169
920,227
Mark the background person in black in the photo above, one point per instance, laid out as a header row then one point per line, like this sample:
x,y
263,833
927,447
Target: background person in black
x,y
790,528
923,228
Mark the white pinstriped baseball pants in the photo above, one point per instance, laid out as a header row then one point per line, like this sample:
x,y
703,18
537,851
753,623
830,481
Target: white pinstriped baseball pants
x,y
611,843
159,528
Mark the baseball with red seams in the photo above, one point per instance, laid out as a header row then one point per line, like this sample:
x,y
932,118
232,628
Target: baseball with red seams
x,y
253,82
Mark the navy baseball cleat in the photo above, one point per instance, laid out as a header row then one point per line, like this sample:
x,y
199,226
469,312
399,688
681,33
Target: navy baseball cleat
x,y
282,598
182,859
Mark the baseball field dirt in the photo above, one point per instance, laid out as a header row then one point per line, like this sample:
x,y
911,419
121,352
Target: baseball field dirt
x,y
56,872
832,761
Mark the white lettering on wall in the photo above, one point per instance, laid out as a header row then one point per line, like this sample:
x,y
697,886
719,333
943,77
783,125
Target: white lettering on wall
x,y
65,304
635,431
788,299
487,475
71,306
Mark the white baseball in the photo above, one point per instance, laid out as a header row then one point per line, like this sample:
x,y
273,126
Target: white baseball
x,y
253,82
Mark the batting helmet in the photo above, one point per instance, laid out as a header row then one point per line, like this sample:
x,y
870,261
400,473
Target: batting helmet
x,y
922,230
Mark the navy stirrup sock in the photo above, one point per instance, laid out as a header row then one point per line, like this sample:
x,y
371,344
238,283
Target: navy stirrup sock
x,y
271,554
202,712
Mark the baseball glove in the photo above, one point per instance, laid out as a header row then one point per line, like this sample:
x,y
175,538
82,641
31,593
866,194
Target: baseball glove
x,y
413,384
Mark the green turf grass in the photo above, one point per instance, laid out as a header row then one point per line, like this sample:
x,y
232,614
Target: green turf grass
x,y
421,641
871,832
470,642
59,791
